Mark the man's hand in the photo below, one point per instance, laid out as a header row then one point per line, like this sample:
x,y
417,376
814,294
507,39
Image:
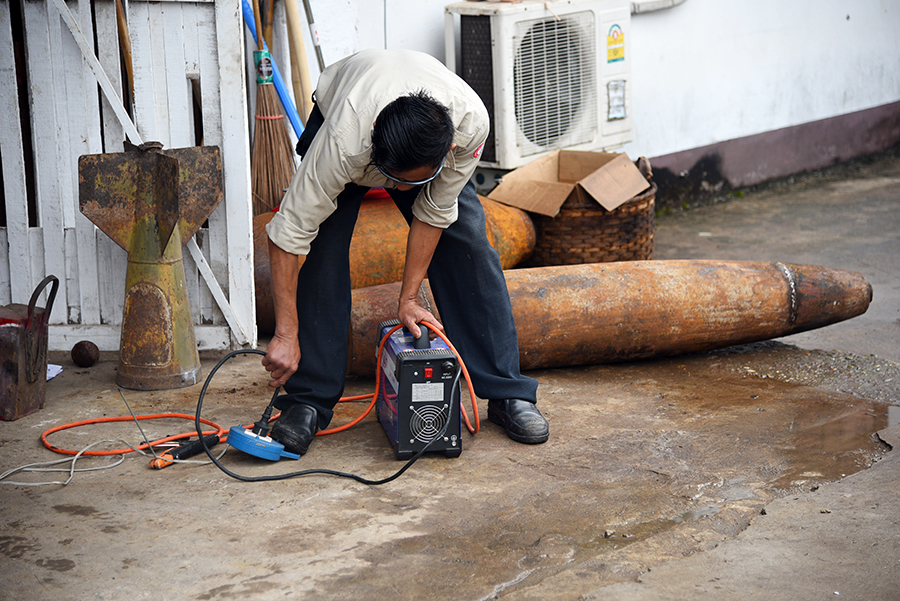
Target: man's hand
x,y
410,313
282,359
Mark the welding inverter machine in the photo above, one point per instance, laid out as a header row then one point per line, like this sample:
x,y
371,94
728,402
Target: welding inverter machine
x,y
418,397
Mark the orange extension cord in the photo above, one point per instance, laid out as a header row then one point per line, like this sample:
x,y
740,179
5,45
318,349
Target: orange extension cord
x,y
223,434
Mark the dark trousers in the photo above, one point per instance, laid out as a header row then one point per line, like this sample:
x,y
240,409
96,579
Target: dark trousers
x,y
465,277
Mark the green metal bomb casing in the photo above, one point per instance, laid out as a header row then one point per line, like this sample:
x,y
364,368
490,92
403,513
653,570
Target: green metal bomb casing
x,y
150,202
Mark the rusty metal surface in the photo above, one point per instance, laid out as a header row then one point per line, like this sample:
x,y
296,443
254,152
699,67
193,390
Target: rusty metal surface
x,y
378,247
510,231
23,353
610,312
150,201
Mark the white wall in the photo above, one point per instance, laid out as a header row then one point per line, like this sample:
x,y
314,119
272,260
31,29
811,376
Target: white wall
x,y
705,71
714,70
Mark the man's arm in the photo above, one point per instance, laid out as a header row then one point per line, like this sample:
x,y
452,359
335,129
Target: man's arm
x,y
420,245
283,354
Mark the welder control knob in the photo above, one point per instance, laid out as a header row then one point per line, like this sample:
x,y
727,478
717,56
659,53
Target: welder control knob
x,y
447,367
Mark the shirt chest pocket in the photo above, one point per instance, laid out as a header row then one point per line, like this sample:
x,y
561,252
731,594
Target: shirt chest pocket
x,y
363,172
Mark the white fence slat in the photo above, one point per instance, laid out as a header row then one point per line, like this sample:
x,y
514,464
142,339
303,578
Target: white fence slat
x,y
5,297
70,111
141,58
209,308
73,313
237,328
43,29
88,53
108,55
85,120
181,132
64,337
112,262
160,96
36,265
192,283
215,245
14,258
236,163
193,13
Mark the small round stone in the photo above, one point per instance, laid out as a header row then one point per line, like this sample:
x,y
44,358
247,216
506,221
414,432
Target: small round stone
x,y
85,353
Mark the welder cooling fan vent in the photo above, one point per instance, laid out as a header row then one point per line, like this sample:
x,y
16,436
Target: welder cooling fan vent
x,y
427,422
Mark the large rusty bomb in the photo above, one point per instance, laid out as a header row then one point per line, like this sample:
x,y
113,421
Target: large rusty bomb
x,y
85,353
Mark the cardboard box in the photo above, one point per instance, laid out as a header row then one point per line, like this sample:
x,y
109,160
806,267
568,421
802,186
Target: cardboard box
x,y
543,185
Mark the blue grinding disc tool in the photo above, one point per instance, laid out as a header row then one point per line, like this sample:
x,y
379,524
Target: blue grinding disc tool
x,y
259,446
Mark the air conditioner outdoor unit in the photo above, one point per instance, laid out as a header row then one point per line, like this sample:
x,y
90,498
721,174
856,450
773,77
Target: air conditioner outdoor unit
x,y
553,74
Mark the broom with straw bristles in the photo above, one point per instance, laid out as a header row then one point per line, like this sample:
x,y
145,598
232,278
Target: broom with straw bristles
x,y
272,159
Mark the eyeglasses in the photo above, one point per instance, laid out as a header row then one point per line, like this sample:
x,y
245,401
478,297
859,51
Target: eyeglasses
x,y
418,183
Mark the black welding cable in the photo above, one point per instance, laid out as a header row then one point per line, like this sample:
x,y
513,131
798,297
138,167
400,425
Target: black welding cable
x,y
309,472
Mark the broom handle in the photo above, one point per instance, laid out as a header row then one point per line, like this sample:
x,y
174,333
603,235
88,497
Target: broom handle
x,y
125,43
260,39
270,17
289,109
314,32
295,31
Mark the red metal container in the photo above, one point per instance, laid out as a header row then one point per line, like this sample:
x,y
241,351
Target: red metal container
x,y
23,354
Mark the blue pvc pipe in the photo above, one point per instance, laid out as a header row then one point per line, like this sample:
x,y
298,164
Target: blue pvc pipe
x,y
289,109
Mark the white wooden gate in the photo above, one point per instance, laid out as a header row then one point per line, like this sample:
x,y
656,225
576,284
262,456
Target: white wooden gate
x,y
188,65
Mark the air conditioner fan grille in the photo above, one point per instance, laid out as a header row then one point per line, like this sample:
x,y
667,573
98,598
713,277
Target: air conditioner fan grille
x,y
555,82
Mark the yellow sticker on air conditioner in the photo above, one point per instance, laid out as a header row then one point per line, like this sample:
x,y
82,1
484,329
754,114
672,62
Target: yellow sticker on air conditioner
x,y
615,45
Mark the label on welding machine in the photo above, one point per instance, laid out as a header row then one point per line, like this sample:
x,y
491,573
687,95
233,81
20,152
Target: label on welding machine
x,y
428,392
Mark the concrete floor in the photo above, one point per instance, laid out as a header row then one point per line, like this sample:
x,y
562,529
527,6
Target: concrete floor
x,y
745,473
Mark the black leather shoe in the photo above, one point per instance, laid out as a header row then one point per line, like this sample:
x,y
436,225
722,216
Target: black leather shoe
x,y
521,419
296,427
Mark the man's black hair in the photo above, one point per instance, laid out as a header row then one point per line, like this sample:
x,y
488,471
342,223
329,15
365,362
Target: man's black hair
x,y
412,131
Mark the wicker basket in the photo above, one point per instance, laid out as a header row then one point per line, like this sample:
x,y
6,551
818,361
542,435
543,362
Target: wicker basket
x,y
585,232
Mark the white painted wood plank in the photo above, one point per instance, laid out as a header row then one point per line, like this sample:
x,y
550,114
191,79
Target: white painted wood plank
x,y
16,260
43,52
179,130
209,78
193,24
71,112
5,297
212,337
141,50
112,262
64,337
215,246
87,51
73,313
236,164
84,117
192,283
160,93
202,21
239,332
36,255
108,55
178,91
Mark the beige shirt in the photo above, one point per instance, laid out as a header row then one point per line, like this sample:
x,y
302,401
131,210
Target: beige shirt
x,y
351,93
